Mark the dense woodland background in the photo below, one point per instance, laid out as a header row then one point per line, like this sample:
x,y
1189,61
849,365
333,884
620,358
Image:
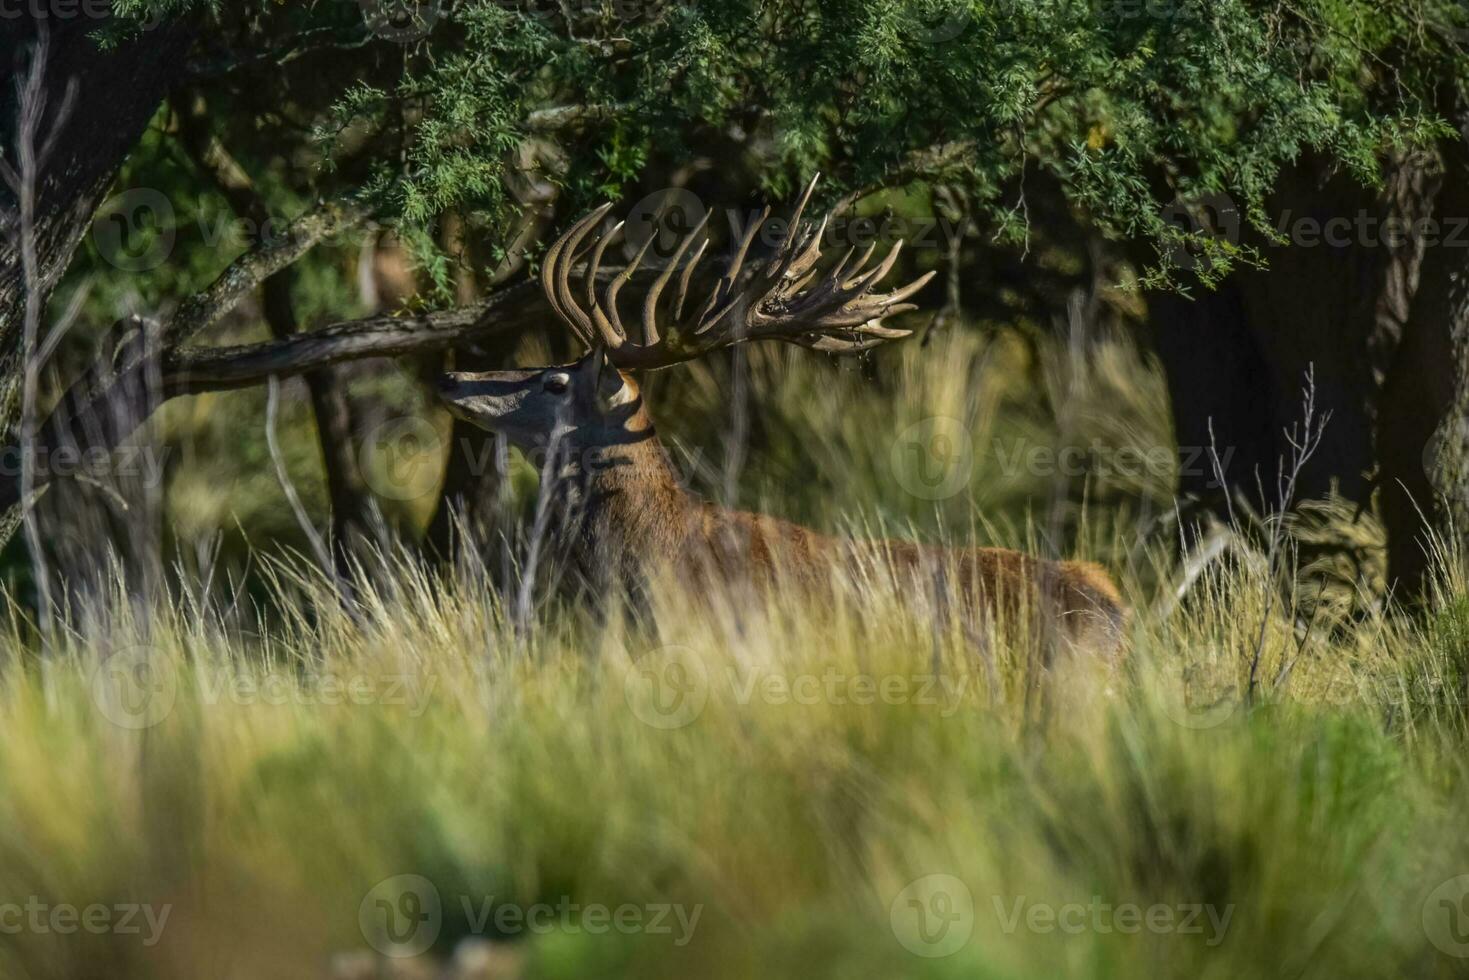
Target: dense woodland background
x,y
1251,191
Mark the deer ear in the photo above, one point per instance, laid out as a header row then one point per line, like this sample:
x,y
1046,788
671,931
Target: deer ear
x,y
612,391
598,363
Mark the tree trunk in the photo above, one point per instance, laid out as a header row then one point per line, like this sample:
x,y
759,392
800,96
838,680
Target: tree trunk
x,y
1237,357
1423,429
117,91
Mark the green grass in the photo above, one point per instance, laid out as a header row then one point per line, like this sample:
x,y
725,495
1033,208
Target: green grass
x,y
804,781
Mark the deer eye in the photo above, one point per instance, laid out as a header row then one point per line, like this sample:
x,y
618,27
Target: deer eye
x,y
556,384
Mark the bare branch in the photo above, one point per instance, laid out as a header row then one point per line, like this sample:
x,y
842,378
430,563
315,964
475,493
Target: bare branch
x,y
562,117
319,546
32,108
254,267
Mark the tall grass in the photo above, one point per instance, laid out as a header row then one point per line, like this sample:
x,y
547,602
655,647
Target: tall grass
x,y
858,790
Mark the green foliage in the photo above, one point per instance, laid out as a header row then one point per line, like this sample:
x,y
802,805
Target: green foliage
x,y
1129,105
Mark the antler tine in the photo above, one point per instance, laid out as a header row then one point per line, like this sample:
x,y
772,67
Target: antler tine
x,y
883,268
798,286
875,328
858,314
550,269
838,274
737,260
804,200
650,302
610,335
683,280
730,279
898,296
798,252
796,244
556,274
609,295
843,275
838,297
836,345
836,290
810,254
709,323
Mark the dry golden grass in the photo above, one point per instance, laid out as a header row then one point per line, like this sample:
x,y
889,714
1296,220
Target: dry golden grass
x,y
848,791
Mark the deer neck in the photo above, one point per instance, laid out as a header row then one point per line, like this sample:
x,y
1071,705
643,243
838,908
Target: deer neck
x,y
626,504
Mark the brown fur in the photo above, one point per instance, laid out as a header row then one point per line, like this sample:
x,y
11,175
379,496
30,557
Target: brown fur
x,y
638,518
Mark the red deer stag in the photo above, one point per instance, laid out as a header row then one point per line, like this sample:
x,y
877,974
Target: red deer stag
x,y
633,517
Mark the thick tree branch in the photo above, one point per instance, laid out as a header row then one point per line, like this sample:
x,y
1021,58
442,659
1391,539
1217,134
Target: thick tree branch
x,y
117,393
193,370
556,118
102,415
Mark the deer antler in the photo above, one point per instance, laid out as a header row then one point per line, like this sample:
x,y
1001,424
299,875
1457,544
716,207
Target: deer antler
x,y
784,300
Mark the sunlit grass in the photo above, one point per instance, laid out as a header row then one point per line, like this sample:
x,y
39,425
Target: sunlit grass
x,y
817,764
1279,784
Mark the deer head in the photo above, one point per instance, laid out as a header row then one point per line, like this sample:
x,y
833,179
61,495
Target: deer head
x,y
594,402
588,402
